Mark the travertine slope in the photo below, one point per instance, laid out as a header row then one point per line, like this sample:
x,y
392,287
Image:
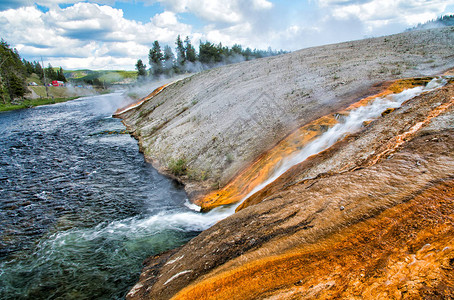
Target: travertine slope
x,y
217,122
375,221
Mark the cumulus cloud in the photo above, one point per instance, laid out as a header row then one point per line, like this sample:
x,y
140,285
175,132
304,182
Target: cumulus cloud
x,y
96,36
232,11
90,32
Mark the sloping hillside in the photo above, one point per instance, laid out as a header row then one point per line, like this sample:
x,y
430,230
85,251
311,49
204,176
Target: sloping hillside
x,y
377,224
216,123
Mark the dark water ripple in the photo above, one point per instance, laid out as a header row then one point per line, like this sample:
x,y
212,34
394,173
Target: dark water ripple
x,y
74,201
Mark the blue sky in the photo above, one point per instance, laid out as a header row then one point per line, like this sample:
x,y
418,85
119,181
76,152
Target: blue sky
x,y
110,34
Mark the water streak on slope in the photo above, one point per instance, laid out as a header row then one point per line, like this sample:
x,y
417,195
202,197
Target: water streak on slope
x,y
313,138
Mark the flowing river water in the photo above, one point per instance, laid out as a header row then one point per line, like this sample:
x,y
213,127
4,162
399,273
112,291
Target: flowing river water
x,y
80,209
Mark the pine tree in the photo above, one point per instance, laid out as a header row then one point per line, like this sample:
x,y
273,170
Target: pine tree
x,y
190,50
50,73
12,73
15,86
155,59
209,53
60,75
181,52
38,70
169,59
28,67
141,69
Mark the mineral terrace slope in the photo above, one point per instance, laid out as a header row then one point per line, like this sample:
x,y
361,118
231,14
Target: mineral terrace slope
x,y
381,228
220,120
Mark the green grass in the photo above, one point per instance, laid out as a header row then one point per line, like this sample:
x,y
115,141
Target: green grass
x,y
34,78
33,103
107,76
56,91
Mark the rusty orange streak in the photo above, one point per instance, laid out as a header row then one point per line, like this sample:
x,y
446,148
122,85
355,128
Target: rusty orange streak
x,y
263,168
142,100
398,140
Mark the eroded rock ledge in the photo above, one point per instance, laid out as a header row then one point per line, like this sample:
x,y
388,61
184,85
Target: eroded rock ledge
x,y
375,221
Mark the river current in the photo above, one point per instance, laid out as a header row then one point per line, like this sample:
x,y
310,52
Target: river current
x,y
80,209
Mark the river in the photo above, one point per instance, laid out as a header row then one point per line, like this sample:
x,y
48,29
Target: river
x,y
80,209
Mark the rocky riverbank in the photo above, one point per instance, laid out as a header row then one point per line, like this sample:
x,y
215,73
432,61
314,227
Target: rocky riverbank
x,y
370,216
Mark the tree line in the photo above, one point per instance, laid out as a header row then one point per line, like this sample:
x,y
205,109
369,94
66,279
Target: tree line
x,y
14,72
165,62
442,21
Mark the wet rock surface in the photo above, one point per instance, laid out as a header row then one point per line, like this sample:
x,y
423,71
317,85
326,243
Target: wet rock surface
x,y
361,227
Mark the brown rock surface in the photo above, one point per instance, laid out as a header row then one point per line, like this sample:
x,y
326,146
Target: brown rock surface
x,y
371,217
365,148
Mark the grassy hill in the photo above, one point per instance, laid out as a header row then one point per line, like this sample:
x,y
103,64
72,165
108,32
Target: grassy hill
x,y
107,76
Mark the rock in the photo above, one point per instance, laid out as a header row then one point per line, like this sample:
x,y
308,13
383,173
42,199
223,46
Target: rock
x,y
387,111
387,243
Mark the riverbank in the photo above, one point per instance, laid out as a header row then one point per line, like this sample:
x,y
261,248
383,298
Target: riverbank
x,y
38,95
60,92
29,103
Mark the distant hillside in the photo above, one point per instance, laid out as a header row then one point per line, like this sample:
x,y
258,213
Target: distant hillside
x,y
444,21
109,77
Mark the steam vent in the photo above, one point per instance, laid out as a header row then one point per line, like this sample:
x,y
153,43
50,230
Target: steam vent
x,y
328,173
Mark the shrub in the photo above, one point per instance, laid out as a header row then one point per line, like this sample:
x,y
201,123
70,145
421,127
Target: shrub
x,y
178,167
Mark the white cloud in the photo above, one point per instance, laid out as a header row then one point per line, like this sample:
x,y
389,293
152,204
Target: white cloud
x,y
380,13
86,35
165,19
262,4
226,11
